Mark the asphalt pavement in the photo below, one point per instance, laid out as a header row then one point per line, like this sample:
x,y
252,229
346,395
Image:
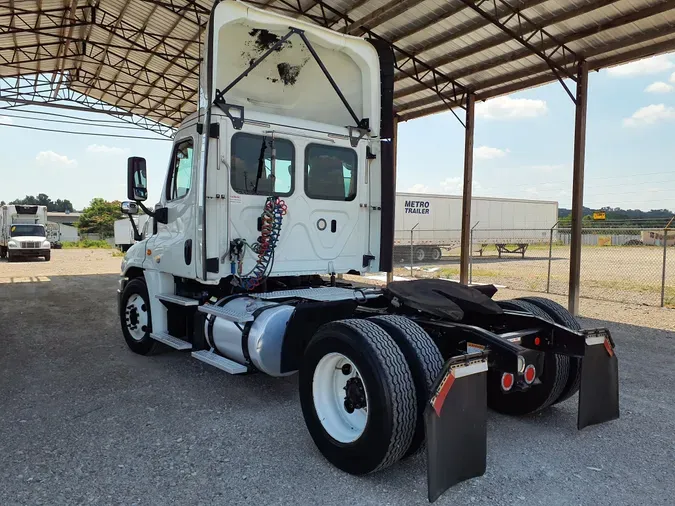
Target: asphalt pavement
x,y
83,420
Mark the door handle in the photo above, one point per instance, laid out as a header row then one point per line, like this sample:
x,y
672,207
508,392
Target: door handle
x,y
187,252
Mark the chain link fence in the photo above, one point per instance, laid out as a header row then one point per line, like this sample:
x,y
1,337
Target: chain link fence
x,y
623,264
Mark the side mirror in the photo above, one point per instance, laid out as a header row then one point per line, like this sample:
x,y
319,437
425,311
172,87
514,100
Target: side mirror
x,y
136,179
129,207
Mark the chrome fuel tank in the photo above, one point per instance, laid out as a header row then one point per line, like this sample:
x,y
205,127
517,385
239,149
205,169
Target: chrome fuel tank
x,y
265,333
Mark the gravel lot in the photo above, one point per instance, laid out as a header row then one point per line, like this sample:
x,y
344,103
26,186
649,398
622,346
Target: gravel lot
x,y
85,421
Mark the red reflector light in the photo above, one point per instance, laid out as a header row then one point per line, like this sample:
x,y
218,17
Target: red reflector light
x,y
507,381
530,374
537,341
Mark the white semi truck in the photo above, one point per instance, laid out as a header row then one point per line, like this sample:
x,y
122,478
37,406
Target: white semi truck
x,y
283,179
427,224
22,232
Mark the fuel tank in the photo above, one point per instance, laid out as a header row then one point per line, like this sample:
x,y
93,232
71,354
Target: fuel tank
x,y
259,341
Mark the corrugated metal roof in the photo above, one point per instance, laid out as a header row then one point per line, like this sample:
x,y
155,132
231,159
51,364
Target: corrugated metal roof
x,y
142,56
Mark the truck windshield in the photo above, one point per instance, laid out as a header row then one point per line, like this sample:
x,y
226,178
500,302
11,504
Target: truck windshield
x,y
27,230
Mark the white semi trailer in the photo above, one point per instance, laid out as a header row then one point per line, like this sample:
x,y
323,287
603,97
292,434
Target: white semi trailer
x,y
427,224
22,232
283,179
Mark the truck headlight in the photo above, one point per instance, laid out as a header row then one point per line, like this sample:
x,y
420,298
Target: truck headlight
x,y
13,244
46,244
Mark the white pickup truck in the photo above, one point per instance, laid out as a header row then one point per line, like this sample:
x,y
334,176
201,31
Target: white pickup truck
x,y
22,232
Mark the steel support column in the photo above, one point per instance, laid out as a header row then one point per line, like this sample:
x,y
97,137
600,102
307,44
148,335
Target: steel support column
x,y
394,142
465,250
578,186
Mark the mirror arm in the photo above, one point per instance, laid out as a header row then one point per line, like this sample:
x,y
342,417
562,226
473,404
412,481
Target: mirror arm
x,y
137,234
161,215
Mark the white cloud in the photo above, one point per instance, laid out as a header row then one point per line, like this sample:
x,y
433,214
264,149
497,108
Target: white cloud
x,y
650,115
659,87
652,65
55,160
488,153
455,185
100,148
672,78
419,188
548,167
532,191
6,120
511,108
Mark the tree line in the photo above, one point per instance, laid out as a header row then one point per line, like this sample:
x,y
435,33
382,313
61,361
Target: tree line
x,y
615,217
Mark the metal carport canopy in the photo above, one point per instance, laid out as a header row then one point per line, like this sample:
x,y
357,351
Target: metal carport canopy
x,y
139,59
142,56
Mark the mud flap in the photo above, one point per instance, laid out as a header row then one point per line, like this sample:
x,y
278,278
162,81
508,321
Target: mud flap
x,y
455,422
599,391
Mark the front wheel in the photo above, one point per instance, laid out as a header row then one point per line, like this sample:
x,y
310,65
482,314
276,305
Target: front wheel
x,y
357,396
135,317
48,257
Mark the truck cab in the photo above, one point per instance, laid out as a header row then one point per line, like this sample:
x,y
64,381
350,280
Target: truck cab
x,y
294,121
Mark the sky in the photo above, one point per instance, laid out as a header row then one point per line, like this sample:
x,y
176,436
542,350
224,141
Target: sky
x,y
523,147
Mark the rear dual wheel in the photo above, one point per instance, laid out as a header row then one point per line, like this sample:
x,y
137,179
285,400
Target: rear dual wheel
x,y
363,388
541,394
561,316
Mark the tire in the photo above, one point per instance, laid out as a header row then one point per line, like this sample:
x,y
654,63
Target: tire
x,y
10,257
539,396
425,362
48,257
138,340
436,254
389,389
562,316
420,254
3,252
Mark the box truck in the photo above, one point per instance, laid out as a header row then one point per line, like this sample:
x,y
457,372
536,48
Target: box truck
x,y
427,224
124,231
22,232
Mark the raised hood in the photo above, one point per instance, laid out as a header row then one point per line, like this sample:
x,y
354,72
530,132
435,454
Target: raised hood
x,y
289,82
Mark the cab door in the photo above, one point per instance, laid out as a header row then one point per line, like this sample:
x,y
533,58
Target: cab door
x,y
174,247
337,204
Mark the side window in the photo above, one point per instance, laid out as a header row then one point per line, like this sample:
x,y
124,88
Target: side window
x,y
180,176
330,172
251,170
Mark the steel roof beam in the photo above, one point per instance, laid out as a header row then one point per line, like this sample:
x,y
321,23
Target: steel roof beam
x,y
567,37
501,38
533,42
447,89
45,99
541,76
437,15
182,8
380,16
470,27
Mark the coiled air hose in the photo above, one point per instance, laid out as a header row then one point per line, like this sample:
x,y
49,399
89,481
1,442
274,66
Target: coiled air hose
x,y
271,220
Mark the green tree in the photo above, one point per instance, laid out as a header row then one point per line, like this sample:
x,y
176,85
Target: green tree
x,y
99,218
43,199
